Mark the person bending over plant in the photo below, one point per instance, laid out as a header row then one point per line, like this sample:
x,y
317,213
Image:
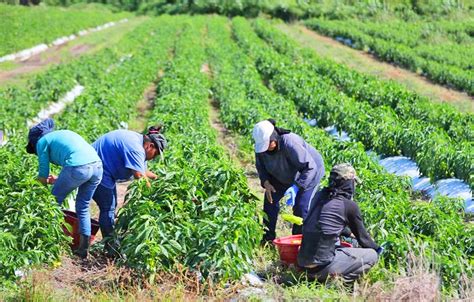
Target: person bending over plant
x,y
287,167
81,169
124,154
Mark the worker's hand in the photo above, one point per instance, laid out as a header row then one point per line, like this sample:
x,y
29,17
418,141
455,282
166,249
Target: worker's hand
x,y
151,175
51,179
290,195
148,184
269,189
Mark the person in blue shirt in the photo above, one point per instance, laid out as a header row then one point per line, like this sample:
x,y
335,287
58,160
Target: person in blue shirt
x,y
81,169
287,167
124,154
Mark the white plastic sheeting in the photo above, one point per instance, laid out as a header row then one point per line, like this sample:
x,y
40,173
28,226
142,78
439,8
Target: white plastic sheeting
x,y
404,166
3,139
28,53
58,106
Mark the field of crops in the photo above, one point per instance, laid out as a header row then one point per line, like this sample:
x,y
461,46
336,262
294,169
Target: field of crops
x,y
22,27
443,51
200,214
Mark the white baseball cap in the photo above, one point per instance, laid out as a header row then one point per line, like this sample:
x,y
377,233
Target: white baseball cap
x,y
261,135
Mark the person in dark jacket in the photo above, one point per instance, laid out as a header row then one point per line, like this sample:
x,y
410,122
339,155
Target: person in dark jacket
x,y
331,210
287,166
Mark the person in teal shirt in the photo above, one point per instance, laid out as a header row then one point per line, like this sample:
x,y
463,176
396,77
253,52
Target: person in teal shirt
x,y
81,169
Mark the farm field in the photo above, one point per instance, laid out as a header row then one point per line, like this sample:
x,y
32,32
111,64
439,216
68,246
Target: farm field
x,y
195,233
440,50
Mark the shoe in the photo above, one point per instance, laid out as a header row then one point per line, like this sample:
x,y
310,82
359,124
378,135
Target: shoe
x,y
83,250
111,244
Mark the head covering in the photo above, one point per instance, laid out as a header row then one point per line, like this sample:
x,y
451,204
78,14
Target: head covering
x,y
37,132
158,140
261,135
344,171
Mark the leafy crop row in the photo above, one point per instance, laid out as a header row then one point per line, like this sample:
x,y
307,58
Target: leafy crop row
x,y
200,213
379,128
394,218
450,66
407,104
24,27
31,226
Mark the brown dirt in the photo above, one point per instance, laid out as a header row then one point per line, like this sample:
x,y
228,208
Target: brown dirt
x,y
385,70
36,62
226,139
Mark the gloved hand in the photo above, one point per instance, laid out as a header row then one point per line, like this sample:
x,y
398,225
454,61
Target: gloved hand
x,y
290,195
380,250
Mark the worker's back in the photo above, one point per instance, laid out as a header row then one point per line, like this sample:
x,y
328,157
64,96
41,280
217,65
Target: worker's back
x,y
321,229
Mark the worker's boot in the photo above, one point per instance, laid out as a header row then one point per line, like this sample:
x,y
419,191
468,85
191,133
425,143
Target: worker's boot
x,y
111,245
83,250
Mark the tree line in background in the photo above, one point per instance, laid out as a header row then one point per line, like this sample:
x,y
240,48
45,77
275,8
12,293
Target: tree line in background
x,y
285,9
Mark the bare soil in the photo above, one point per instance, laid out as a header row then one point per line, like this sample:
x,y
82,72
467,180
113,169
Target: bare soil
x,y
367,63
38,61
228,141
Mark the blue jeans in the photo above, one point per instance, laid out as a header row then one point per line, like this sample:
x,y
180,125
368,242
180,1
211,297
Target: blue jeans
x,y
86,178
106,199
300,209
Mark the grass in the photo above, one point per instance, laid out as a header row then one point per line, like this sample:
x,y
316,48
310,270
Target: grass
x,y
362,62
88,44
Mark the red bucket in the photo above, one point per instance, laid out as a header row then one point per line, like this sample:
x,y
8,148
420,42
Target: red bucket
x,y
70,218
288,248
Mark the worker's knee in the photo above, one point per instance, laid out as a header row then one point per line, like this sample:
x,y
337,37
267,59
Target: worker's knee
x,y
370,257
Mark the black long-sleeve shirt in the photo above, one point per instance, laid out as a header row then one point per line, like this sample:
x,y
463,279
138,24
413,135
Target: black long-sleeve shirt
x,y
327,218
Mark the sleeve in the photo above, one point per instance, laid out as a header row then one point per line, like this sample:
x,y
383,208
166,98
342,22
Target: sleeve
x,y
262,172
300,158
354,219
135,160
346,232
42,149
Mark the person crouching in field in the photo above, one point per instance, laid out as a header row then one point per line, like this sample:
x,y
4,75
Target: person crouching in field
x,y
124,154
287,166
81,169
331,210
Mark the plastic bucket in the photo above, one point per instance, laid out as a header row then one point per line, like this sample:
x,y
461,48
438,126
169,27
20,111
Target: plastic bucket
x,y
288,248
70,218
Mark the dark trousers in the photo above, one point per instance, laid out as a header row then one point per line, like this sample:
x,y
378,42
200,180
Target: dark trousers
x,y
300,209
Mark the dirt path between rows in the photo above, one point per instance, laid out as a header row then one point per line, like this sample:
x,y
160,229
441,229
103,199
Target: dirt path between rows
x,y
369,64
228,141
18,71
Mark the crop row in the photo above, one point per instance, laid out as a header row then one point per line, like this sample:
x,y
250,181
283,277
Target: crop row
x,y
379,128
31,226
200,213
443,65
396,220
407,104
24,27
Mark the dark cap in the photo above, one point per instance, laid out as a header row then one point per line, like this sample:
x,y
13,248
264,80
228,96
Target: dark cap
x,y
37,132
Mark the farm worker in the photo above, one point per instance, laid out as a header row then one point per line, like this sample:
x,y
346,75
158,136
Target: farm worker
x,y
82,170
287,166
331,210
124,154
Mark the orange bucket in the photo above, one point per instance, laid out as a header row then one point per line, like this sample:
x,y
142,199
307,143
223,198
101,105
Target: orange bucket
x,y
288,248
70,218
